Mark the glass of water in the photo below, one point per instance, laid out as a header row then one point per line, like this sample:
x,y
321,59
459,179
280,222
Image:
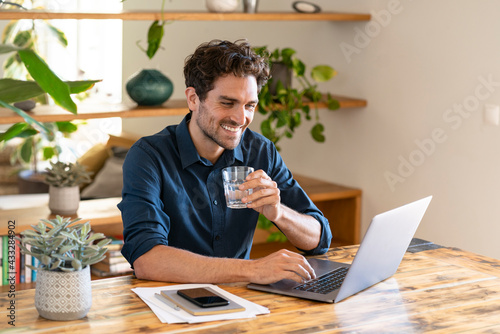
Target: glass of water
x,y
233,177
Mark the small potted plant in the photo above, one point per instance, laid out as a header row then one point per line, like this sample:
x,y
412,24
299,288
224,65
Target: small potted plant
x,y
65,250
64,181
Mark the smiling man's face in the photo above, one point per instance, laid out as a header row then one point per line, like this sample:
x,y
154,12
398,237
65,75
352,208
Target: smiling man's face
x,y
219,121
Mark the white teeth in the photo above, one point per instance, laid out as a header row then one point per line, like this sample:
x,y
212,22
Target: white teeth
x,y
229,128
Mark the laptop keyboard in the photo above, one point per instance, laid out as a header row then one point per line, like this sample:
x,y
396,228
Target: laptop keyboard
x,y
325,283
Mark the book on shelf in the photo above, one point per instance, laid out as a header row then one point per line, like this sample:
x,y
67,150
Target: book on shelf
x,y
117,268
14,263
18,269
5,268
114,262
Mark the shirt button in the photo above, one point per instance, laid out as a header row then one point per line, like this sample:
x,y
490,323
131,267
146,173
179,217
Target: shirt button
x,y
215,202
217,237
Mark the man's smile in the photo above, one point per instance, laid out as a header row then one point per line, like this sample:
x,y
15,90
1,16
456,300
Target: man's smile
x,y
231,128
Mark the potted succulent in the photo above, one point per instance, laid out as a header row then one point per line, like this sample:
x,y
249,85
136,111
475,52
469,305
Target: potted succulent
x,y
65,250
64,181
285,106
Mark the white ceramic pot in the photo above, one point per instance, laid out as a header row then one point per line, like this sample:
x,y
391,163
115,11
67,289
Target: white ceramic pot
x,y
63,295
221,6
64,200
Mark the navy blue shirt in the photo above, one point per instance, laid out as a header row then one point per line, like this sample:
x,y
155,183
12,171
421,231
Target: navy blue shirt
x,y
172,196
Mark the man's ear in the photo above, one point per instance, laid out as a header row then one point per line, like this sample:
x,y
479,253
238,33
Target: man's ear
x,y
192,99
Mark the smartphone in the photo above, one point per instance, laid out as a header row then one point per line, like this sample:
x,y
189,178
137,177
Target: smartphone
x,y
203,297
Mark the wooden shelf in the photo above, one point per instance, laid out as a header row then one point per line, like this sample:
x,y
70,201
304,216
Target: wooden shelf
x,y
87,111
183,16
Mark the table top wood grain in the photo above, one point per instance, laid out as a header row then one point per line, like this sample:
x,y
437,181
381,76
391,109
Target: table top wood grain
x,y
437,291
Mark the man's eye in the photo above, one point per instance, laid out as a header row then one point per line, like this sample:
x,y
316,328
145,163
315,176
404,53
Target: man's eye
x,y
227,104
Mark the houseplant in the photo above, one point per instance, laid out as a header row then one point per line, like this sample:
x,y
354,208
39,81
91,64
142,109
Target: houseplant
x,y
64,250
64,180
45,81
285,106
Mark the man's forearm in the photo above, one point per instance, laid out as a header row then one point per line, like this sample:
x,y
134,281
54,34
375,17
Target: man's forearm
x,y
169,264
303,231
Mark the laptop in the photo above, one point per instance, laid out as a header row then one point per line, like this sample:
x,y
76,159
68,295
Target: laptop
x,y
378,258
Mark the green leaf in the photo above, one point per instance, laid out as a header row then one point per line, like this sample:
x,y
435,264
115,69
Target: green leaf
x,y
265,128
283,119
59,34
66,127
76,264
49,152
322,73
76,87
299,68
45,260
23,39
13,131
12,90
317,132
26,151
47,80
155,35
332,103
103,243
286,56
65,249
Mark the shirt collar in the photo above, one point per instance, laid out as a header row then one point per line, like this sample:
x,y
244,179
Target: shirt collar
x,y
188,153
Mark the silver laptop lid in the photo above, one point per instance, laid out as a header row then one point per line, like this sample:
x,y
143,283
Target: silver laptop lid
x,y
383,247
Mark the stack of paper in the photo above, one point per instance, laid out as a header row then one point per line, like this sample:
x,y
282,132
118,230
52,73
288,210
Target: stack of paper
x,y
171,315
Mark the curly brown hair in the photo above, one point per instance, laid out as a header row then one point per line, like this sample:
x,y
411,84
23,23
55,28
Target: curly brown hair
x,y
218,58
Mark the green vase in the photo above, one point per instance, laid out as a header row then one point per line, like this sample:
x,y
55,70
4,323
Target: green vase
x,y
149,88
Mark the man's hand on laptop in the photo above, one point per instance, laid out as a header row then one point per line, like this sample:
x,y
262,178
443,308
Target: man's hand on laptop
x,y
280,265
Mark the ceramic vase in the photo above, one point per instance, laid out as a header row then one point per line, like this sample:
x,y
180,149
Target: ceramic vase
x,y
221,6
63,295
64,201
149,87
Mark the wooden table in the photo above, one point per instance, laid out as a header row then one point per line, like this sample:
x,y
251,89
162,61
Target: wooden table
x,y
436,290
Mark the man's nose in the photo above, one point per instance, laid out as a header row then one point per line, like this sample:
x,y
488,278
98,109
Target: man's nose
x,y
240,114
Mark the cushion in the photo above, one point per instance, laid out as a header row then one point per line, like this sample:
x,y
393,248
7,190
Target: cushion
x,y
108,182
95,158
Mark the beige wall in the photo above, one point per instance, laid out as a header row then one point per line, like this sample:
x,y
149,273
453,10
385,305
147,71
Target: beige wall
x,y
422,63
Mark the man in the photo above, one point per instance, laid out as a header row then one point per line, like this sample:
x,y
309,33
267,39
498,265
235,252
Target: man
x,y
177,227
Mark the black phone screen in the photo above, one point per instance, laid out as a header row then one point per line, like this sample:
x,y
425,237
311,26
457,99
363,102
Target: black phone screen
x,y
203,297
